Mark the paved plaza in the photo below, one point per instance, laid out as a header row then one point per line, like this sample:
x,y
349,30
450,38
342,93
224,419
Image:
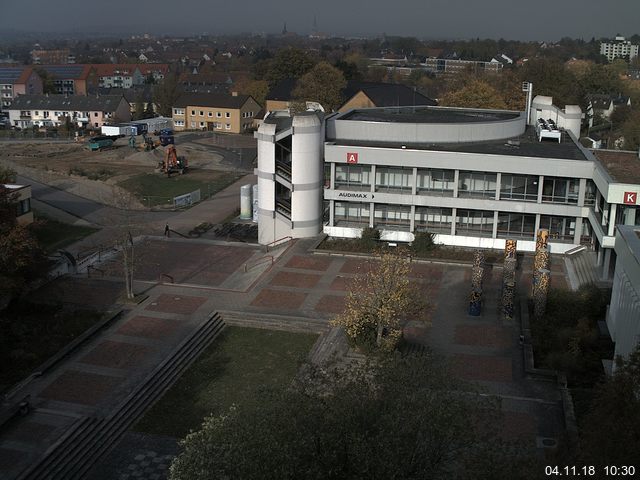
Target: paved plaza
x,y
292,282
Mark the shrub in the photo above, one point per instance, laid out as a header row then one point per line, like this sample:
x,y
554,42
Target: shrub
x,y
422,243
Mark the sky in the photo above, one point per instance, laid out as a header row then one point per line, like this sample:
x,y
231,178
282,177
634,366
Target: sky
x,y
545,20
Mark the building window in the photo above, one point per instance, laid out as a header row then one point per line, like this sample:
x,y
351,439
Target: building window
x,y
178,111
590,194
390,179
560,229
519,187
193,113
218,115
433,219
209,114
396,217
193,124
227,126
227,115
516,225
353,177
179,123
201,113
202,125
351,214
435,182
474,223
477,184
23,206
560,190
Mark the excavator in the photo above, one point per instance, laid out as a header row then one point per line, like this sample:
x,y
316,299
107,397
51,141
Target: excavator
x,y
172,162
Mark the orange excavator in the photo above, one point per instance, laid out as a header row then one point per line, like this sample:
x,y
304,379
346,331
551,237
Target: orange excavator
x,y
172,162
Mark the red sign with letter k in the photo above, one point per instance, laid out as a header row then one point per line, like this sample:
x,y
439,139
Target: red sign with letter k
x,y
630,198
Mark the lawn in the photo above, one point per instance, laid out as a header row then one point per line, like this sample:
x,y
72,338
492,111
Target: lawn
x,y
233,370
31,333
156,189
53,235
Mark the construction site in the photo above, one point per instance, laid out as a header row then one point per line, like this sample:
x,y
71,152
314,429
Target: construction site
x,y
140,165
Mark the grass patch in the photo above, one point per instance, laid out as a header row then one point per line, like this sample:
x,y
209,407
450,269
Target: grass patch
x,y
53,235
156,189
233,370
31,333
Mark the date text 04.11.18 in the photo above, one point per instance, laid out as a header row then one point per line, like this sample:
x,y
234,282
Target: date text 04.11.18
x,y
589,471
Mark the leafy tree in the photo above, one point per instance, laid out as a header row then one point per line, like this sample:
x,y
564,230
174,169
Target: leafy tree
x,y
404,419
631,131
47,80
601,79
287,63
550,78
611,429
381,298
324,83
166,93
258,89
477,94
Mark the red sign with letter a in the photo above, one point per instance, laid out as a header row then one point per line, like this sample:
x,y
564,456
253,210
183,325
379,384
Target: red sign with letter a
x,y
352,158
630,198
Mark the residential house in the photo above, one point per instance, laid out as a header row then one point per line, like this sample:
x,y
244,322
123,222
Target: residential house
x,y
215,112
604,105
619,48
127,75
16,81
59,56
90,111
356,95
72,79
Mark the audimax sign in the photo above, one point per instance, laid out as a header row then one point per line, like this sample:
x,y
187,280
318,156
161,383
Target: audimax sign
x,y
356,195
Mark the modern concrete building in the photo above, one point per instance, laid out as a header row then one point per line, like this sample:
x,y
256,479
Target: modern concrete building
x,y
472,177
619,48
623,316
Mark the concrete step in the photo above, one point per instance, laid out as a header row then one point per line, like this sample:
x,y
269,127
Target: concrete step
x,y
275,322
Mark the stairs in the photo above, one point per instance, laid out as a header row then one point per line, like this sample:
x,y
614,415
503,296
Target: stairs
x,y
582,269
90,438
275,322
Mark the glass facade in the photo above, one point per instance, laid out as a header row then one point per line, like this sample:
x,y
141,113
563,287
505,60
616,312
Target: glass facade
x,y
560,229
393,179
351,214
435,182
433,219
474,223
519,187
512,225
560,190
477,184
398,217
353,177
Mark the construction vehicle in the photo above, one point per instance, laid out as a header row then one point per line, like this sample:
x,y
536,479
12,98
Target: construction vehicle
x,y
100,143
172,162
166,137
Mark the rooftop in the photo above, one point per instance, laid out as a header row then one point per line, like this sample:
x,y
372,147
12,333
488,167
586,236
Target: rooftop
x,y
623,166
525,145
105,103
428,115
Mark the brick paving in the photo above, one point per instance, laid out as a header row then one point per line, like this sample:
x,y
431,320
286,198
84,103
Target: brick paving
x,y
295,279
309,262
331,304
80,387
149,327
518,426
116,354
285,299
483,368
181,304
340,283
484,335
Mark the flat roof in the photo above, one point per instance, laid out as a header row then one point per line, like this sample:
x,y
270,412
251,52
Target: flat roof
x,y
525,145
623,166
424,114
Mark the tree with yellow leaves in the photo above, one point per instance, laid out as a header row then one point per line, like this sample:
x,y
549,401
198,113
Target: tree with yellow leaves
x,y
379,302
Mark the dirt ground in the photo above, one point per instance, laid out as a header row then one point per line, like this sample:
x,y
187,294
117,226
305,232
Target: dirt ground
x,y
112,166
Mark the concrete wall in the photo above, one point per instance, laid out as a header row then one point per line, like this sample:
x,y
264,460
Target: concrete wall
x,y
623,319
425,132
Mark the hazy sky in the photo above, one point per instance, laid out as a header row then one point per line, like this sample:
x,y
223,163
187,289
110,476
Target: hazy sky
x,y
509,19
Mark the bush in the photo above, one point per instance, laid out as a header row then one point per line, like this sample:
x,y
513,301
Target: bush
x,y
422,243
